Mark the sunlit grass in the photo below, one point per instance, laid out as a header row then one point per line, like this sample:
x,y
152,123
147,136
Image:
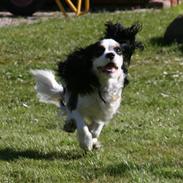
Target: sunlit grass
x,y
143,143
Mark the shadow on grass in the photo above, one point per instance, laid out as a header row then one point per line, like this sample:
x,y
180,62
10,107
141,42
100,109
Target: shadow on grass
x,y
159,41
164,169
9,154
121,169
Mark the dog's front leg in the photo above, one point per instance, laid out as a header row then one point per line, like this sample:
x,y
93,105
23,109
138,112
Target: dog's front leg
x,y
84,135
95,129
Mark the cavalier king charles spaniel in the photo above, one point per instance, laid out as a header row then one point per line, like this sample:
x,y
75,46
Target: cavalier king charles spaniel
x,y
93,79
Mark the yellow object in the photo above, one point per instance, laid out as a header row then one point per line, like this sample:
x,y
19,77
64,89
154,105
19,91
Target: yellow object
x,y
75,9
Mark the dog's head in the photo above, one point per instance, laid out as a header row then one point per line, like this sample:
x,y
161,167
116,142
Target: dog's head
x,y
126,37
83,70
108,58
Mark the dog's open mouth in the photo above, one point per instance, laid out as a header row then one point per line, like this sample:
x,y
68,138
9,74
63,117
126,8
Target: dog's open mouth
x,y
109,68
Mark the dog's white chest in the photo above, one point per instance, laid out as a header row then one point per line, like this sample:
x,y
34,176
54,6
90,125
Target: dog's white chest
x,y
101,108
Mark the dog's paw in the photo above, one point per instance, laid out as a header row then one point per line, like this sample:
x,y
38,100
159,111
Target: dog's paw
x,y
85,139
70,126
87,144
96,144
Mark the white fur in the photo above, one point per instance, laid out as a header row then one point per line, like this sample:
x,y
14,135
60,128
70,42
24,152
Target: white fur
x,y
48,90
89,106
96,111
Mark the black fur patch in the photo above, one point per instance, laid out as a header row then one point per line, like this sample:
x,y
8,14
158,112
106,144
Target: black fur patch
x,y
76,71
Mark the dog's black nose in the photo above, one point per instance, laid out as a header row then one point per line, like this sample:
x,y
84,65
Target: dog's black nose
x,y
110,55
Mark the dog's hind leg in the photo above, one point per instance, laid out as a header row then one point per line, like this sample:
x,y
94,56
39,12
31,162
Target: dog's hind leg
x,y
84,135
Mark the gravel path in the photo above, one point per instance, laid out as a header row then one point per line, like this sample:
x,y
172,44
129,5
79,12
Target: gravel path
x,y
7,19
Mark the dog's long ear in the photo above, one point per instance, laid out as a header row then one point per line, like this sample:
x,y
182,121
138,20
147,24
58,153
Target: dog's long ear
x,y
120,33
133,30
115,31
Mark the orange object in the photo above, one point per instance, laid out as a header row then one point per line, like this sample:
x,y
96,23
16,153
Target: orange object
x,y
74,8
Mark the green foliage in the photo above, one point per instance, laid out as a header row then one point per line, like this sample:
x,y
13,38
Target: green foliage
x,y
143,143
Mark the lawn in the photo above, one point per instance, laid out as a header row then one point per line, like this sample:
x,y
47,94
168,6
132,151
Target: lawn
x,y
142,144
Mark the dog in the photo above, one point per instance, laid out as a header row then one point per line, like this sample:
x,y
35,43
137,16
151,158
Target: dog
x,y
93,79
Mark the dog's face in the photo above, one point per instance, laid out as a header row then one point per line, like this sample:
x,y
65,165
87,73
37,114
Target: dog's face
x,y
109,59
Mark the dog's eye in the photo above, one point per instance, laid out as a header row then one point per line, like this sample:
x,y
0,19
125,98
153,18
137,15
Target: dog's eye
x,y
118,50
99,50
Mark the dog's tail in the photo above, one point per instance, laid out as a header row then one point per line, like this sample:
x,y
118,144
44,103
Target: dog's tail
x,y
47,88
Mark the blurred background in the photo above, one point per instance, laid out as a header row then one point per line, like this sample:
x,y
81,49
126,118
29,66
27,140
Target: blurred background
x,y
28,7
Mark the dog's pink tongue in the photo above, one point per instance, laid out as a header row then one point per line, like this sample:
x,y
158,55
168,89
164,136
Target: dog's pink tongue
x,y
110,68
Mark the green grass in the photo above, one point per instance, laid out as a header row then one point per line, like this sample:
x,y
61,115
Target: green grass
x,y
142,144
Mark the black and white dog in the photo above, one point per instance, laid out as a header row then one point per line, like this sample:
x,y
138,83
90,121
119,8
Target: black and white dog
x,y
93,80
